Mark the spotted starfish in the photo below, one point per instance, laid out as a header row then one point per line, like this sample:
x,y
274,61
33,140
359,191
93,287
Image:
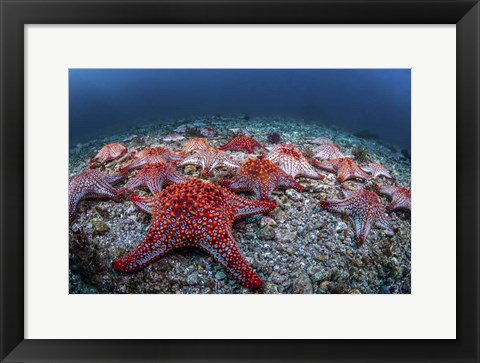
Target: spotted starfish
x,y
153,176
292,162
209,159
364,209
377,170
345,169
322,140
401,197
109,152
241,143
261,177
327,152
150,156
197,143
195,214
92,184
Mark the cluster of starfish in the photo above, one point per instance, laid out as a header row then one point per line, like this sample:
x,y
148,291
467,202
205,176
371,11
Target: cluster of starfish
x,y
197,213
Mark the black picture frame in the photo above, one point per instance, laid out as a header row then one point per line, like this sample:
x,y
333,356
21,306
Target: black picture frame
x,y
15,14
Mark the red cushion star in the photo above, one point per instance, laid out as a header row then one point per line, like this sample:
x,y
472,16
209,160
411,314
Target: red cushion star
x,y
151,156
197,143
401,197
196,214
153,176
345,169
261,177
241,143
109,152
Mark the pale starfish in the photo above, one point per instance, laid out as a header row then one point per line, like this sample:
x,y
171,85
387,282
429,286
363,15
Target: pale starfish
x,y
377,169
327,152
150,156
209,159
345,169
153,176
197,143
109,152
292,162
321,140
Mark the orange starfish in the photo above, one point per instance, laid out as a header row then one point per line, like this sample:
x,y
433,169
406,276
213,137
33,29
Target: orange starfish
x,y
197,143
364,209
150,156
261,177
345,169
195,214
241,143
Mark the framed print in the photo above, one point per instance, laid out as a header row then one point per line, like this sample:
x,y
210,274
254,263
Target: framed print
x,y
238,178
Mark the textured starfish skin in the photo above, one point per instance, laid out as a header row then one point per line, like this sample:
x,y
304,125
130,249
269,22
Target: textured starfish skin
x,y
154,176
345,169
241,143
151,156
327,152
292,162
209,159
364,209
377,170
92,184
197,143
109,152
196,214
261,177
401,197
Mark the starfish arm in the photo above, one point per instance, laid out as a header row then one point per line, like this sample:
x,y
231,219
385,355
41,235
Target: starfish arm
x,y
388,191
337,205
307,171
327,165
224,250
384,223
75,195
362,227
115,178
367,169
246,207
139,162
144,204
157,243
289,182
230,163
135,182
191,160
360,174
343,173
400,202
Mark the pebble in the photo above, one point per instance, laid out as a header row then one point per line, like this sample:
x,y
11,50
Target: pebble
x,y
220,275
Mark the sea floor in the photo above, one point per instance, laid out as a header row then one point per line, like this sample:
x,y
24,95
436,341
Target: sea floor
x,y
297,248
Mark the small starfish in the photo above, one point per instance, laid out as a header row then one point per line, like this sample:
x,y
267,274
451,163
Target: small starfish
x,y
327,152
364,209
261,177
153,176
209,159
195,214
92,184
109,152
345,169
241,143
321,140
292,162
150,156
197,143
401,197
377,170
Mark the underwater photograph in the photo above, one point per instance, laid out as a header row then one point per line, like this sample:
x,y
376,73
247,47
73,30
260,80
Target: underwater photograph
x,y
239,181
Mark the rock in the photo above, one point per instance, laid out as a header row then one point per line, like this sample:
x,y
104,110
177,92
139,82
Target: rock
x,y
324,286
267,221
192,279
208,132
302,285
293,194
220,275
266,233
100,226
340,227
174,136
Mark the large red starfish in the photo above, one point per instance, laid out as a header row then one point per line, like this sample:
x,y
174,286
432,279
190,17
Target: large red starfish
x,y
109,152
92,184
401,197
153,176
292,162
197,143
196,214
150,156
209,159
327,152
241,143
364,209
261,177
377,169
345,169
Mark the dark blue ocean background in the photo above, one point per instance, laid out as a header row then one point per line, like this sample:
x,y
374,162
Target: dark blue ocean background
x,y
104,101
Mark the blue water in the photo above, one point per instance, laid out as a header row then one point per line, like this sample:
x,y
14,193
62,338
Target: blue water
x,y
104,101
